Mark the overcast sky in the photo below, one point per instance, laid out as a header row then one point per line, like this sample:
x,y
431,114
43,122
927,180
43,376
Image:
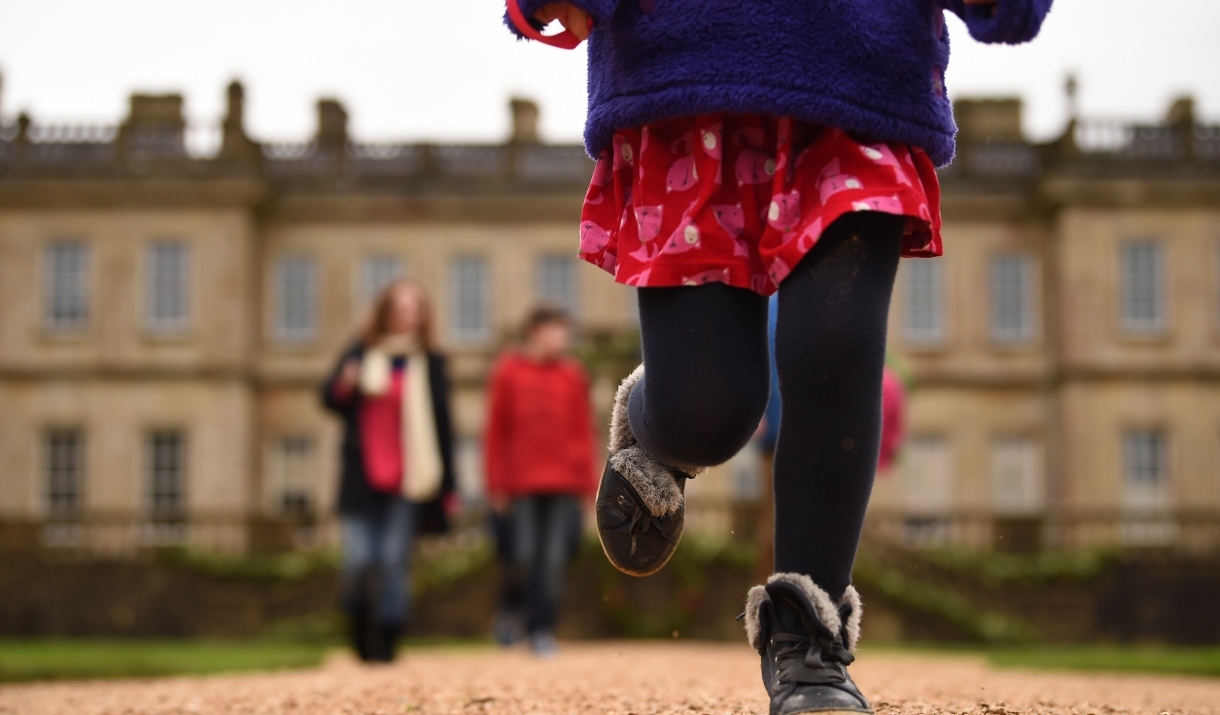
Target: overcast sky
x,y
444,69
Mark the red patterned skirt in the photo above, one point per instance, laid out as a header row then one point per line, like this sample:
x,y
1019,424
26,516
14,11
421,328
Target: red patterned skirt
x,y
740,199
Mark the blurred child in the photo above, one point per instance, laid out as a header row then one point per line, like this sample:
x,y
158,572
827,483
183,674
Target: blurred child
x,y
745,147
539,452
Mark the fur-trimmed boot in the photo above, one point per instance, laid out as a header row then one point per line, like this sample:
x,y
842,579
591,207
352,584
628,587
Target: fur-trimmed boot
x,y
806,642
640,503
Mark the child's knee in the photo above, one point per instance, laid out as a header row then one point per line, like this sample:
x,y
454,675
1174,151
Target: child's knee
x,y
699,431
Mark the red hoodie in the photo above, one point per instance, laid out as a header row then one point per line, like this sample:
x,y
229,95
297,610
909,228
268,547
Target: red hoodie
x,y
539,437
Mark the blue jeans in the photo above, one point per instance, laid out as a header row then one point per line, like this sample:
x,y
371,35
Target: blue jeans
x,y
542,526
379,543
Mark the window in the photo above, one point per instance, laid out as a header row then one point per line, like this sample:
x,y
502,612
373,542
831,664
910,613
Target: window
x,y
295,297
1011,298
1143,299
928,478
745,470
64,464
1216,294
555,282
927,489
166,475
376,272
925,302
1016,476
1145,469
67,286
168,284
468,453
469,319
295,467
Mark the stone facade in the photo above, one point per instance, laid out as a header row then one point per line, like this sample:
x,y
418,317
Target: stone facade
x,y
165,319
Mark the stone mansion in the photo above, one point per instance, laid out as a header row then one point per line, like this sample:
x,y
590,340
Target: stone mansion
x,y
165,318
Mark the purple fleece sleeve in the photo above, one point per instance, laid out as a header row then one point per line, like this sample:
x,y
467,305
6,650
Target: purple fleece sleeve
x,y
600,10
1013,22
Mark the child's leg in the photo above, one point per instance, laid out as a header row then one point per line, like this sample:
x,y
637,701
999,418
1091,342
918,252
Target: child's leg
x,y
693,403
830,353
706,373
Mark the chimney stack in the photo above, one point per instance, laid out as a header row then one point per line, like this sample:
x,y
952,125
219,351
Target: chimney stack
x,y
234,142
981,119
1182,112
155,127
332,124
525,121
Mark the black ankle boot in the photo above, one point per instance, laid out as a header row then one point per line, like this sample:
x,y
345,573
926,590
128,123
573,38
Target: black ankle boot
x,y
806,643
358,628
386,645
640,505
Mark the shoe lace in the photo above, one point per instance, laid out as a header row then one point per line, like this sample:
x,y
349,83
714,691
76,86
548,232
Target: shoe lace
x,y
641,520
819,660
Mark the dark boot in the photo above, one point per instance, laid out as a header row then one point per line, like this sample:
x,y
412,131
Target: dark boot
x,y
358,629
806,643
386,645
640,504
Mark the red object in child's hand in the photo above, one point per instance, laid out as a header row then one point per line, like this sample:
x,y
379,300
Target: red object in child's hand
x,y
565,40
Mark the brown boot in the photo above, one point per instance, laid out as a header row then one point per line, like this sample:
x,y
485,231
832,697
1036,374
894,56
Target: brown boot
x,y
640,505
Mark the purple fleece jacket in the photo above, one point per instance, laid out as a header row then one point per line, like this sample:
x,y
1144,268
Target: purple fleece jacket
x,y
874,68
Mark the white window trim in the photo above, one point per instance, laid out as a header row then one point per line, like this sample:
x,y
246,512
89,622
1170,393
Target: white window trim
x,y
181,324
930,504
45,501
281,332
571,305
1154,499
281,481
1028,291
920,338
1030,449
59,327
1159,326
457,333
184,467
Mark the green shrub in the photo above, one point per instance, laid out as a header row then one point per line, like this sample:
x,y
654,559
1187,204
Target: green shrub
x,y
985,626
1022,569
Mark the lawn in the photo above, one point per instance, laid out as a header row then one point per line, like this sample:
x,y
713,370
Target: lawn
x,y
59,659
95,658
1148,659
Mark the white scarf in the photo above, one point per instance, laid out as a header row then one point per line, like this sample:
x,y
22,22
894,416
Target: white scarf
x,y
422,468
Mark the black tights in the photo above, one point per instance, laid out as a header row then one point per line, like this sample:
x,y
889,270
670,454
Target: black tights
x,y
707,380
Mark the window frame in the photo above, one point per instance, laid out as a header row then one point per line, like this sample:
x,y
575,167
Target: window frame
x,y
49,468
931,337
1157,493
67,325
948,480
168,326
1140,326
281,330
153,491
1034,461
1026,332
285,482
543,263
459,333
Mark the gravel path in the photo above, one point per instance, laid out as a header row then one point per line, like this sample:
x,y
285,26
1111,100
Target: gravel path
x,y
612,678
